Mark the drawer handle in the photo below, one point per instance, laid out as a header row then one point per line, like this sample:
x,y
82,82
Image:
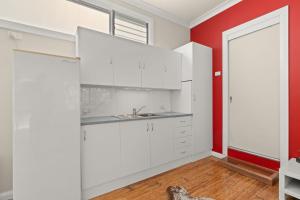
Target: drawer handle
x,y
183,142
182,132
183,152
182,121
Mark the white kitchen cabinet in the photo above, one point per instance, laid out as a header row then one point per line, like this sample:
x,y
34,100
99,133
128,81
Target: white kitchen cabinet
x,y
161,141
196,94
101,154
111,61
96,52
172,70
153,68
128,63
135,146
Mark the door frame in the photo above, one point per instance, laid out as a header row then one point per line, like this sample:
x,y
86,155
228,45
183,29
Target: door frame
x,y
280,16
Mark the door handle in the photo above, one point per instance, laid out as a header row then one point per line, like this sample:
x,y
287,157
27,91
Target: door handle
x,y
84,135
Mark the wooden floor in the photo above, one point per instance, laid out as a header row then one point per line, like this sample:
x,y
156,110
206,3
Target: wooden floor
x,y
204,178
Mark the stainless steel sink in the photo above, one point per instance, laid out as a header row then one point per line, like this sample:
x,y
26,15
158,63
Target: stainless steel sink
x,y
147,115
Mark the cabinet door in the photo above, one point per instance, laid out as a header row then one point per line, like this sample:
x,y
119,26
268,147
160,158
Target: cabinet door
x,y
127,63
202,98
135,154
172,75
100,154
153,68
96,57
161,141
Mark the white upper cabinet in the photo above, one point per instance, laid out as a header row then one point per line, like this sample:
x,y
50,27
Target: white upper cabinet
x,y
96,57
111,61
187,61
153,68
172,70
127,67
161,141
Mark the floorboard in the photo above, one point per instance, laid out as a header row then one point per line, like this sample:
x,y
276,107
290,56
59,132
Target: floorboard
x,y
204,178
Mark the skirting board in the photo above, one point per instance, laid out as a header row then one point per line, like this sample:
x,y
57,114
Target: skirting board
x,y
122,182
217,155
6,195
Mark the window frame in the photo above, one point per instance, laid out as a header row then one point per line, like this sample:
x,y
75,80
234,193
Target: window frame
x,y
112,8
129,18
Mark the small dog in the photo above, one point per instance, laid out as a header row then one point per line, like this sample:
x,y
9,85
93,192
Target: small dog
x,y
180,193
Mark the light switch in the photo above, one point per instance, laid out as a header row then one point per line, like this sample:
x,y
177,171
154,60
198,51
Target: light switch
x,y
218,73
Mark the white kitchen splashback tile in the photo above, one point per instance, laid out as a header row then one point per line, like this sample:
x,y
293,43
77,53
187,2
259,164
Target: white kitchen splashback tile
x,y
106,101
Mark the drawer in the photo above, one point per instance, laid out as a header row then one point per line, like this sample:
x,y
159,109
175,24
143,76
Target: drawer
x,y
183,131
183,152
183,121
182,142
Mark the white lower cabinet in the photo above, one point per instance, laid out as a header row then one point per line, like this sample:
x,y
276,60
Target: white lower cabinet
x,y
161,141
135,149
100,154
114,153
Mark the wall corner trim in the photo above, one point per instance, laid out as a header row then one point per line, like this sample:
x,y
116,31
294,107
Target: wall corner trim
x,y
6,195
211,13
26,28
217,155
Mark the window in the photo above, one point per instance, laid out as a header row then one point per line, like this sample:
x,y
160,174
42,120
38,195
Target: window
x,y
108,20
129,28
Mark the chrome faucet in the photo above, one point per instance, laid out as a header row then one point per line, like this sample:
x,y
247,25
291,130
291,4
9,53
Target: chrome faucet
x,y
135,111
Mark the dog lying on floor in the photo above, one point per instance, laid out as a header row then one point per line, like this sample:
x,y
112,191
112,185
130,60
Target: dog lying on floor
x,y
180,193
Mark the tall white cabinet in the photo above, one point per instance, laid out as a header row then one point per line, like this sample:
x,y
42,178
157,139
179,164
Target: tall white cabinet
x,y
46,121
196,93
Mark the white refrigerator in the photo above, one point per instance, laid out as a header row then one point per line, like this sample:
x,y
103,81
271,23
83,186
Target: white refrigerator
x,y
46,127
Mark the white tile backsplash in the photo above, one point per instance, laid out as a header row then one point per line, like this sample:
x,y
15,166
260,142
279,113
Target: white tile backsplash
x,y
107,101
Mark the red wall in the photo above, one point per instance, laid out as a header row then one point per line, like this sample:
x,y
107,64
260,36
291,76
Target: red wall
x,y
210,33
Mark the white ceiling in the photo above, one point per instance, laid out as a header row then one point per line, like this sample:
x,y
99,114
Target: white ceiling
x,y
187,10
184,12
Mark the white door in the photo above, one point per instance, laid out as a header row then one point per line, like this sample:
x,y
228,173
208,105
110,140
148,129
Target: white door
x,y
95,50
135,155
254,80
172,67
153,68
161,141
101,154
127,63
46,139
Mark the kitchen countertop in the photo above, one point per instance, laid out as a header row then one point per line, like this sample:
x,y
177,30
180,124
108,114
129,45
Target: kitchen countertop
x,y
113,119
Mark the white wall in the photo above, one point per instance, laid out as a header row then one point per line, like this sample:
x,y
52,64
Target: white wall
x,y
59,15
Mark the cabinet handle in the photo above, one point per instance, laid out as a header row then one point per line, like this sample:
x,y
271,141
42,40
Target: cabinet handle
x,y
183,142
147,127
183,152
84,135
182,132
182,121
152,127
